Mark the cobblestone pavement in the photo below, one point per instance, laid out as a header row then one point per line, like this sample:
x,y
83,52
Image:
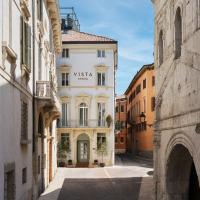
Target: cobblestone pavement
x,y
129,179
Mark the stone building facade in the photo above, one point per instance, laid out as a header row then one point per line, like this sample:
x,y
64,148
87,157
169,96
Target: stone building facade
x,y
86,82
140,112
120,124
177,123
29,41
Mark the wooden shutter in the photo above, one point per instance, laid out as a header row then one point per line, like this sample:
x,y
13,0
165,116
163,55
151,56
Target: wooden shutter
x,y
29,47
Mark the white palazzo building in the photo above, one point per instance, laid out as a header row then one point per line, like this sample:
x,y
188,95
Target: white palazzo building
x,y
86,84
29,41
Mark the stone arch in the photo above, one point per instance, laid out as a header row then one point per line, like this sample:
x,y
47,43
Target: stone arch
x,y
160,47
181,169
178,32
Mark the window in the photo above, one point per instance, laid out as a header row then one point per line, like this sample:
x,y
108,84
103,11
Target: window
x,y
178,33
117,109
153,103
133,94
24,175
65,53
153,80
122,140
39,9
101,79
65,79
65,141
160,48
101,114
25,44
138,89
123,124
144,106
144,83
65,114
9,181
24,121
117,125
101,141
101,54
83,112
116,139
122,108
38,165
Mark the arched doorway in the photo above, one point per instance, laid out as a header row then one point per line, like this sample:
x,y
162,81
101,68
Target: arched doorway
x,y
40,153
83,148
181,177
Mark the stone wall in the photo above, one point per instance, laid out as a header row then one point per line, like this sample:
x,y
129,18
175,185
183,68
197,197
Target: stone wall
x,y
177,88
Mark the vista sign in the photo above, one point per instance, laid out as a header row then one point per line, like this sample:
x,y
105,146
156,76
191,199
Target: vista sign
x,y
83,75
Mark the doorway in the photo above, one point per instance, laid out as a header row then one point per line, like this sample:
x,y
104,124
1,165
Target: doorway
x,y
83,149
181,176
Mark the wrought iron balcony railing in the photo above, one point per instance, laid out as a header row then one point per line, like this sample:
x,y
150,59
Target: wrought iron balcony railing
x,y
81,123
43,89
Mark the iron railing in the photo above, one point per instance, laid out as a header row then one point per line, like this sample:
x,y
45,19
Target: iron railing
x,y
81,123
43,89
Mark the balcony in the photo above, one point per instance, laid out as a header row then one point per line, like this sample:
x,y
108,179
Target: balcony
x,y
47,99
43,89
81,124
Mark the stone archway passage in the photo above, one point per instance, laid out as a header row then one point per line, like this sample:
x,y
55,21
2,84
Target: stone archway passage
x,y
181,177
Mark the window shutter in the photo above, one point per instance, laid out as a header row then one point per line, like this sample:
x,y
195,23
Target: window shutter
x,y
21,39
29,47
103,79
26,44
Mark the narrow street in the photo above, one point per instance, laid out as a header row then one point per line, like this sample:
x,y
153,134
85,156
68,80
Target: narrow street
x,y
129,179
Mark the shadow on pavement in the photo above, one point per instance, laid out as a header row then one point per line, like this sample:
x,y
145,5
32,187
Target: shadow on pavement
x,y
130,160
51,195
138,188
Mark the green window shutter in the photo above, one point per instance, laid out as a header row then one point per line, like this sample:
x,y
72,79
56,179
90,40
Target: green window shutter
x,y
21,40
29,47
26,44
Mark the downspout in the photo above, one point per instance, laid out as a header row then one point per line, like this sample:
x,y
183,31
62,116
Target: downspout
x,y
33,103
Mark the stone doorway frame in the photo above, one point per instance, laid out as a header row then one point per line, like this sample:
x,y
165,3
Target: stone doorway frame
x,y
180,140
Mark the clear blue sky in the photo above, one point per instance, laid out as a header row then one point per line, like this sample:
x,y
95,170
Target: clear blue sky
x,y
130,22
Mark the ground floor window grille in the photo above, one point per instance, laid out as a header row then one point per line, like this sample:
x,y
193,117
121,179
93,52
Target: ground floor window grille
x,y
65,141
9,181
101,141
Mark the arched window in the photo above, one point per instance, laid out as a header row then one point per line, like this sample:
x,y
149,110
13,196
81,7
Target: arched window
x,y
83,112
178,33
160,48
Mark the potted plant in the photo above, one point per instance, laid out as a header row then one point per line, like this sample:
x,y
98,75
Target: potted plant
x,y
109,120
61,154
69,162
62,151
96,162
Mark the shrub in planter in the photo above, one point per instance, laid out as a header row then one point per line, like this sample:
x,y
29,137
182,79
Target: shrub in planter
x,y
69,162
109,120
96,162
102,164
61,164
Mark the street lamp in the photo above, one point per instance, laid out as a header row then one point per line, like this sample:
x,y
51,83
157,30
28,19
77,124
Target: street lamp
x,y
142,117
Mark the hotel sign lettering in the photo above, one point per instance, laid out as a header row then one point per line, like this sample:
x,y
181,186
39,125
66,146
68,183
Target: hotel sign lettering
x,y
83,75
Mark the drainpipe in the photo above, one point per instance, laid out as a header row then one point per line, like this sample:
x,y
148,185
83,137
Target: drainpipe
x,y
33,101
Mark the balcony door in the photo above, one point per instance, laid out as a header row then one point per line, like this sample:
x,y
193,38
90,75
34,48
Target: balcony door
x,y
101,114
65,114
83,112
